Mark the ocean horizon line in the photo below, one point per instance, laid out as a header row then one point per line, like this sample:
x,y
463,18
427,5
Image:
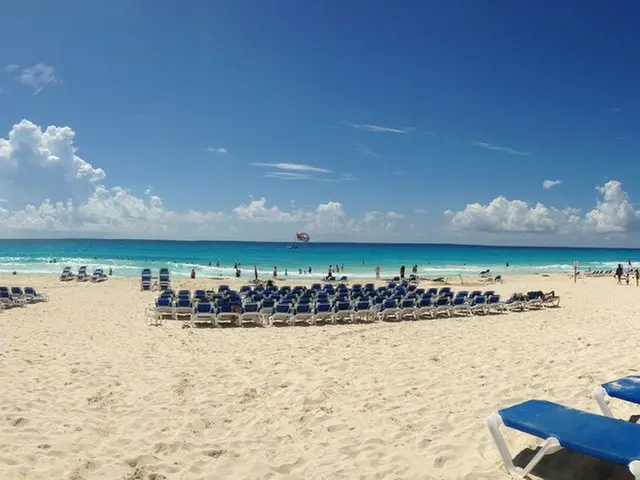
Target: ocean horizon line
x,y
285,242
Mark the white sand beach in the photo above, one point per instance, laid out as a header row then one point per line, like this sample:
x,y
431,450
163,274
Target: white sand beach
x,y
91,392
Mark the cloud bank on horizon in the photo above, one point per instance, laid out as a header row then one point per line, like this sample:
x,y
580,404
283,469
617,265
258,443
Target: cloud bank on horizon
x,y
48,190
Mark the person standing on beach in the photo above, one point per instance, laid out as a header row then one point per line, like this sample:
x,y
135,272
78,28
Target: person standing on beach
x,y
377,272
619,273
193,274
255,272
402,269
637,277
275,272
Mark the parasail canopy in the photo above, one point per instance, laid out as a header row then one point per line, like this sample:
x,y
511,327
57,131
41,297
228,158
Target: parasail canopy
x,y
303,237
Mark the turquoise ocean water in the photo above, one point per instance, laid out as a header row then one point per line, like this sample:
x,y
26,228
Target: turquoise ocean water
x,y
128,257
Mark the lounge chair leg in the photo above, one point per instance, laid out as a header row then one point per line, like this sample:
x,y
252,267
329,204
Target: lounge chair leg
x,y
551,445
601,397
634,468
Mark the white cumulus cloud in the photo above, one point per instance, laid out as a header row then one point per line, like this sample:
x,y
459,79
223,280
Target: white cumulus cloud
x,y
48,188
257,211
503,215
547,184
613,213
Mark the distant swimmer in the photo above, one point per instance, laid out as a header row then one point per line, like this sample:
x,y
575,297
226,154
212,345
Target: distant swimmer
x,y
507,264
377,272
309,270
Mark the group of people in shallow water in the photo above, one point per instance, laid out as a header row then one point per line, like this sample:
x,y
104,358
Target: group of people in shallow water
x,y
333,269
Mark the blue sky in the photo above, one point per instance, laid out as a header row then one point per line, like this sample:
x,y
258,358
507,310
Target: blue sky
x,y
399,108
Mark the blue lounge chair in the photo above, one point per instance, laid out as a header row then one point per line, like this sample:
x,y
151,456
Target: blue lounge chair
x,y
627,389
560,427
283,313
494,305
533,300
33,296
99,276
443,307
344,312
251,314
66,274
426,308
226,313
164,279
389,311
183,307
324,313
203,313
82,276
363,311
479,305
408,309
18,294
460,306
145,279
303,314
164,307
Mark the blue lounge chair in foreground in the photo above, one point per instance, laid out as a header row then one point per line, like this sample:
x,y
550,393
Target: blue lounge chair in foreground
x,y
561,427
627,389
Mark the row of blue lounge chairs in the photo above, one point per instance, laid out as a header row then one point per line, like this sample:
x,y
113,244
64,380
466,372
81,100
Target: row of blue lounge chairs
x,y
601,436
83,276
18,297
293,305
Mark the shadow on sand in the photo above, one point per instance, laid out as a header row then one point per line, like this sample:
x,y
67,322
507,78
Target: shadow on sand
x,y
567,465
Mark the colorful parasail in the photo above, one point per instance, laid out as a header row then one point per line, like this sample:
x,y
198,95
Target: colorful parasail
x,y
303,237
